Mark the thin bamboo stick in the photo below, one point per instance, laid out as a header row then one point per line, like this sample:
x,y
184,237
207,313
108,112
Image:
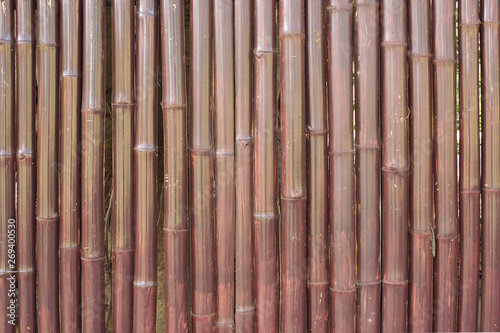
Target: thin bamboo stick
x,y
174,107
421,181
293,166
368,145
265,208
93,116
317,246
47,167
470,181
26,186
225,217
123,164
7,170
395,165
445,172
341,155
202,168
490,295
243,42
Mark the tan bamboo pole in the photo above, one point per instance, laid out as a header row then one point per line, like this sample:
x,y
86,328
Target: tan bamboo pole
x,y
243,42
368,146
69,236
26,186
490,197
317,246
470,181
421,181
93,116
174,100
202,168
395,165
445,162
7,170
47,167
123,164
265,208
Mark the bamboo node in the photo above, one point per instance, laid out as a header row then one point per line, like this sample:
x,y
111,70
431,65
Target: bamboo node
x,y
245,309
332,8
173,106
394,44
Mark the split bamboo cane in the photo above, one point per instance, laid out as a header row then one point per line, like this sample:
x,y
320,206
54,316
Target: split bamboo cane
x,y
123,164
490,269
470,181
395,165
47,167
174,105
93,116
367,113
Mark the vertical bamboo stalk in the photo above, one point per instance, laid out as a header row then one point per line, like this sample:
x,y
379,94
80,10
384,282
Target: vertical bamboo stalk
x,y
341,155
395,165
421,181
7,169
123,164
26,186
47,167
265,208
470,181
174,107
93,116
367,85
490,296
317,238
445,163
243,41
71,33
293,166
202,167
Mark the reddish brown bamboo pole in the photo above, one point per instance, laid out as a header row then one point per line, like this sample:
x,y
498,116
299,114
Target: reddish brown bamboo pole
x,y
202,168
93,116
47,167
243,42
490,295
367,80
395,165
175,228
26,186
470,181
265,208
7,170
445,164
421,181
341,155
317,237
293,166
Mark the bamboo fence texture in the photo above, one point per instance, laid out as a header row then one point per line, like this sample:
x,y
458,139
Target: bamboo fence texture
x,y
318,165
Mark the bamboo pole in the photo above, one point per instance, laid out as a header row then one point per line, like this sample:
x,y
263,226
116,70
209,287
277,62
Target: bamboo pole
x,y
265,208
293,166
69,242
368,145
445,172
26,186
470,181
174,105
395,165
341,155
490,296
243,41
317,245
93,116
421,181
202,168
47,214
123,164
7,169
